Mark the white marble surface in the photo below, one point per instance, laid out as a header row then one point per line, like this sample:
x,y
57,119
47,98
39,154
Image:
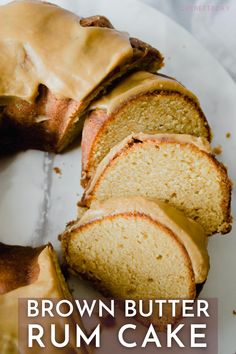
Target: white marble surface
x,y
212,22
36,203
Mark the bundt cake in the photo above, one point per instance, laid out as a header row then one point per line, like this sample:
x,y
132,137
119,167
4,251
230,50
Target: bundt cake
x,y
53,64
176,168
142,102
25,272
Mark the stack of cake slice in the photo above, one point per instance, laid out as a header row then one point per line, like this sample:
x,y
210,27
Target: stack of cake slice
x,y
153,192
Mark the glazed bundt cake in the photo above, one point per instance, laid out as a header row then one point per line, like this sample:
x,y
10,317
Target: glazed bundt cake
x,y
178,169
53,64
142,102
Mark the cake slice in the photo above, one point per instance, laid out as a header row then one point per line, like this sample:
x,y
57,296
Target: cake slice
x,y
142,102
189,233
178,169
43,102
26,272
134,248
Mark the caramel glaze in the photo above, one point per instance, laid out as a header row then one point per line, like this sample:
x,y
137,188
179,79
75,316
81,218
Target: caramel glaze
x,y
45,113
41,43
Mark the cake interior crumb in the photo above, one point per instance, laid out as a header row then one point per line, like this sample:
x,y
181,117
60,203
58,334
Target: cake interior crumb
x,y
217,150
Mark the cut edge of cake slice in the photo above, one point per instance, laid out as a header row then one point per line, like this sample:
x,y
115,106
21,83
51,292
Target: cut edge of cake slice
x,y
187,231
125,172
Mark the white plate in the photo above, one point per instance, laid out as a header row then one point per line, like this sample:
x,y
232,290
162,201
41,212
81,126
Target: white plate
x,y
36,203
